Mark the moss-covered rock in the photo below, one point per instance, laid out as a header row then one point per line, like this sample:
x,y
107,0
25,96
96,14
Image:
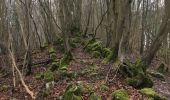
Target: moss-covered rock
x,y
53,56
112,56
157,75
106,52
54,66
73,92
136,75
4,88
140,82
48,76
51,50
94,46
149,92
96,54
120,95
94,96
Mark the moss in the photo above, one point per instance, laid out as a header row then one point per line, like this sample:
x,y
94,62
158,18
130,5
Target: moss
x,y
52,50
106,52
149,92
76,40
54,66
132,82
73,92
44,46
140,82
120,95
104,88
48,76
96,54
157,75
147,82
94,46
93,96
4,88
111,57
136,75
59,40
53,55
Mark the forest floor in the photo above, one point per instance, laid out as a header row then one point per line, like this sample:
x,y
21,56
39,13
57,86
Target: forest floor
x,y
89,70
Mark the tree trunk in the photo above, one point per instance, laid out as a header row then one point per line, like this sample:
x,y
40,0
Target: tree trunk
x,y
161,36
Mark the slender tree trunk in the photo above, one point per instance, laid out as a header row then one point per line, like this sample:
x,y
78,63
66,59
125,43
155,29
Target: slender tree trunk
x,y
162,34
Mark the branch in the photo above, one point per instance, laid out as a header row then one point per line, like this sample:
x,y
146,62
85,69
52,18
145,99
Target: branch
x,y
20,75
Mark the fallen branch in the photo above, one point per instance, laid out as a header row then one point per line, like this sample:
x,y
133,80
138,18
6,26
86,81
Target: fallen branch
x,y
20,75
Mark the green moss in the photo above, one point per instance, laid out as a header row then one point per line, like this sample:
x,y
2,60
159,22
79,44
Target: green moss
x,y
94,46
147,82
157,75
4,88
52,50
48,76
149,92
44,46
106,52
73,92
53,55
136,75
93,96
54,66
59,40
140,82
96,54
111,57
104,88
120,95
132,82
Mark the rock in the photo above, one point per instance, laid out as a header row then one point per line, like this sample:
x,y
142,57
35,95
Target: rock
x,y
149,92
120,95
157,75
93,96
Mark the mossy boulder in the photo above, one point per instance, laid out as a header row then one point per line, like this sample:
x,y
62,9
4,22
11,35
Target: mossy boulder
x,y
96,54
49,76
135,74
94,46
106,52
120,95
150,93
111,56
139,83
157,75
4,88
53,56
94,96
54,66
73,92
